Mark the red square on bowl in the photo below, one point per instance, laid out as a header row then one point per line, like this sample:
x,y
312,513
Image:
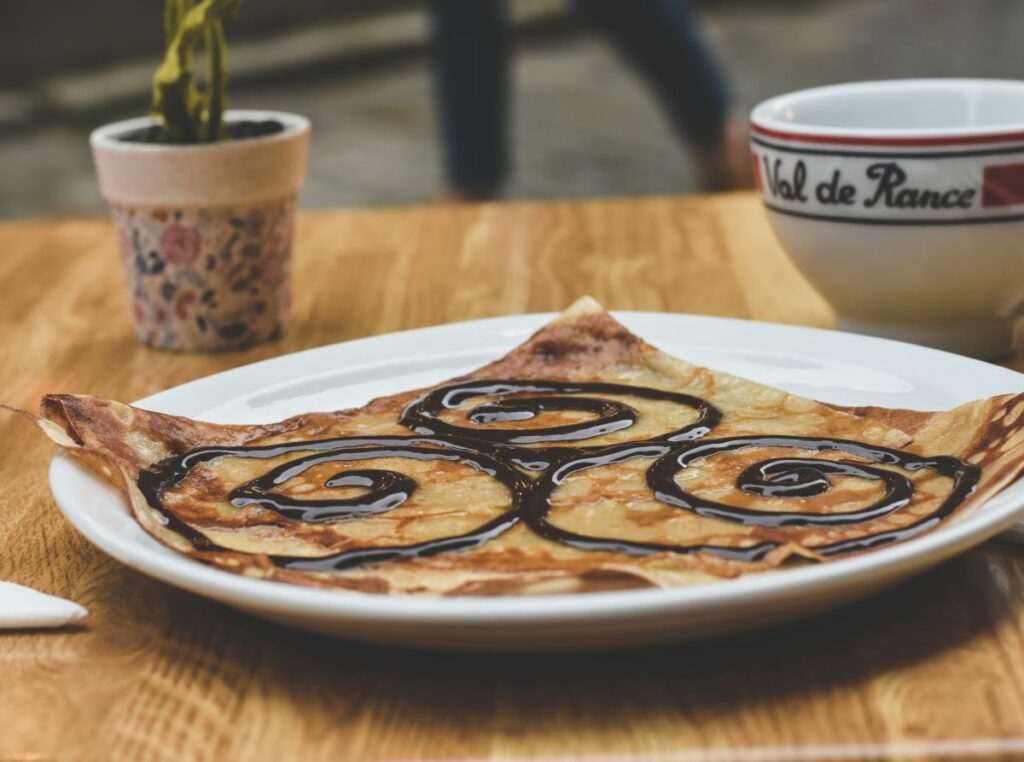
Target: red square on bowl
x,y
1003,185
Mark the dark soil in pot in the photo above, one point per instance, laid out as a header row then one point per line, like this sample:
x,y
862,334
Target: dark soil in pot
x,y
238,130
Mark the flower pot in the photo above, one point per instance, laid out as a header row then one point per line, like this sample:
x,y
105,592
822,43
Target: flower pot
x,y
205,230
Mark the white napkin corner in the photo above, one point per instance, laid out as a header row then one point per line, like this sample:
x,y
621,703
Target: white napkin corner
x,y
22,607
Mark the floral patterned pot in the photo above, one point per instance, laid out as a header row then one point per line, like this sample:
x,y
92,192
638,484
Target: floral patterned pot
x,y
205,230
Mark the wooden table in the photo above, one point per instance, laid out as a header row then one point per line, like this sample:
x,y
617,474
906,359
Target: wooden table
x,y
934,668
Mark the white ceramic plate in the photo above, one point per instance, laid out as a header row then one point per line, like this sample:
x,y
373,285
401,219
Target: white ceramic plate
x,y
826,365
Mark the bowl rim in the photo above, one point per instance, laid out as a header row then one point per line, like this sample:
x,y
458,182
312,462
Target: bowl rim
x,y
765,122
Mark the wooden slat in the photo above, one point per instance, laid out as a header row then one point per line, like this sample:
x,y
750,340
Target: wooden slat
x,y
932,669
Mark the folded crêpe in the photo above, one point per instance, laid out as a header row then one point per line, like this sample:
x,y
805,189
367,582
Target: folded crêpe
x,y
583,460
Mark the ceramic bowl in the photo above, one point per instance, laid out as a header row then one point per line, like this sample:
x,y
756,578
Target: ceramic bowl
x,y
903,203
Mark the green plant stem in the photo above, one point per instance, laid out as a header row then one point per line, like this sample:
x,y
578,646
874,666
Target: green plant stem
x,y
216,80
188,114
171,21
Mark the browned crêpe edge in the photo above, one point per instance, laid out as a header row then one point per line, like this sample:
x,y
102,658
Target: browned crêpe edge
x,y
584,343
584,338
988,433
117,441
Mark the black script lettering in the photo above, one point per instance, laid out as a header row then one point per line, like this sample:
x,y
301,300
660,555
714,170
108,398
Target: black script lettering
x,y
890,177
780,187
892,193
832,192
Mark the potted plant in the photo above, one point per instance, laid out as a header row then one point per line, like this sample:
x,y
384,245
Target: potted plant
x,y
204,198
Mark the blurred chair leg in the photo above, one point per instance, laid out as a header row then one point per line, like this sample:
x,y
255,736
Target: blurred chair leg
x,y
471,87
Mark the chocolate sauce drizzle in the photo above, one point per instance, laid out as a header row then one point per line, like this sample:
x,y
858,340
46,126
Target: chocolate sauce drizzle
x,y
505,453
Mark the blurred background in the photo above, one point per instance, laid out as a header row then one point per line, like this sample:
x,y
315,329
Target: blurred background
x,y
581,121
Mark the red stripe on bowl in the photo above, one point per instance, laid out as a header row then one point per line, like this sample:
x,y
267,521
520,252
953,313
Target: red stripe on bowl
x,y
849,140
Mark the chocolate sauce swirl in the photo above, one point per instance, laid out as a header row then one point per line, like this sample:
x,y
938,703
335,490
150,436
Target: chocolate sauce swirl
x,y
506,453
387,490
807,477
536,512
423,415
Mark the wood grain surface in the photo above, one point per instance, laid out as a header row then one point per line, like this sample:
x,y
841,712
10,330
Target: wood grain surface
x,y
932,669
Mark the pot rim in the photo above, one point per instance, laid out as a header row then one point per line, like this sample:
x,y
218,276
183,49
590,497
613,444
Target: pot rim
x,y
107,137
774,118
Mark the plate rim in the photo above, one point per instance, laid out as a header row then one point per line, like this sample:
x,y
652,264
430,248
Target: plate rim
x,y
341,605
